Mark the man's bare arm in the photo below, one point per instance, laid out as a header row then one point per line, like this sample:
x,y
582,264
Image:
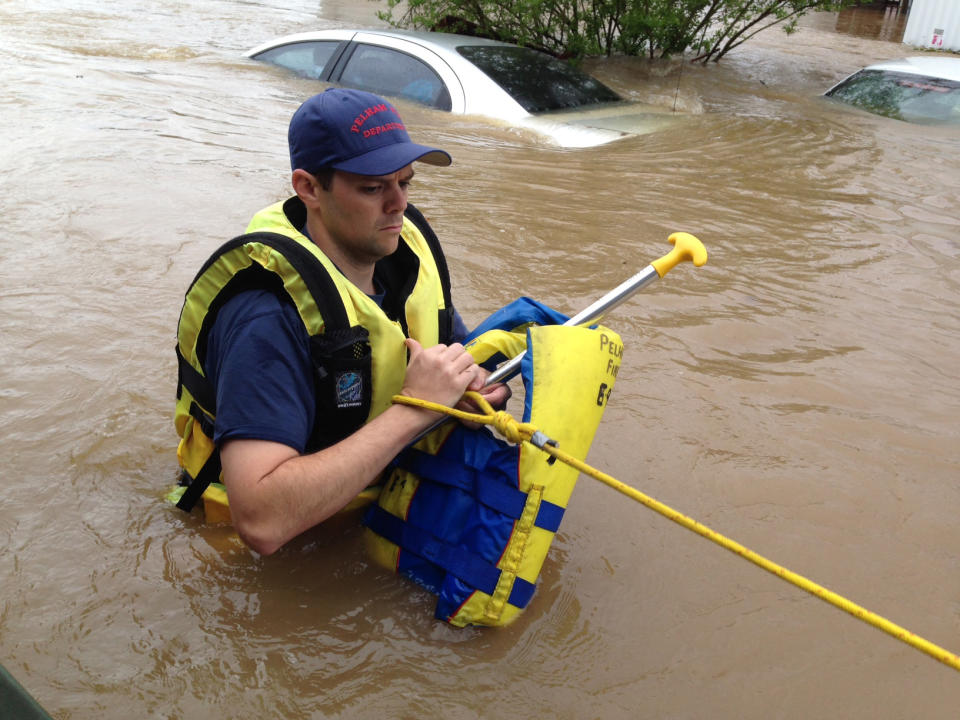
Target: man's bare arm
x,y
276,493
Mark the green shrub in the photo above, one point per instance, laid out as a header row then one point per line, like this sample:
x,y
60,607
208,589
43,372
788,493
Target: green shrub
x,y
575,28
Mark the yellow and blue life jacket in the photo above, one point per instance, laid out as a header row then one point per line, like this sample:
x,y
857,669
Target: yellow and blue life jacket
x,y
471,517
357,346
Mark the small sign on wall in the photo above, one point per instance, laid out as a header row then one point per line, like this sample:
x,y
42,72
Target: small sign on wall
x,y
933,24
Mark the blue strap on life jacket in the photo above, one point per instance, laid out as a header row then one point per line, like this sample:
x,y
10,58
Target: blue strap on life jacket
x,y
472,569
488,486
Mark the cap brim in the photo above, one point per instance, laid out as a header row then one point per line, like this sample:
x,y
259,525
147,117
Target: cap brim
x,y
388,159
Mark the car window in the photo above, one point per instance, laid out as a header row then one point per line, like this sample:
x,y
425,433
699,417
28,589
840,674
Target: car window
x,y
385,71
914,98
308,59
535,80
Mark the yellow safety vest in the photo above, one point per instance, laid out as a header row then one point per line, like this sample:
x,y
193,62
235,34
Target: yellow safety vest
x,y
357,346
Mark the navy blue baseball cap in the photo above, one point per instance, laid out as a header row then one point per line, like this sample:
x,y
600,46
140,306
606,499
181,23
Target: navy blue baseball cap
x,y
354,131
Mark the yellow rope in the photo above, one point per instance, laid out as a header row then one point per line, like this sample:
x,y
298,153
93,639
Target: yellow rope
x,y
516,432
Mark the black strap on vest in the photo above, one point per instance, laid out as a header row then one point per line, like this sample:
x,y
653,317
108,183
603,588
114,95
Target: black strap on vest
x,y
446,315
210,472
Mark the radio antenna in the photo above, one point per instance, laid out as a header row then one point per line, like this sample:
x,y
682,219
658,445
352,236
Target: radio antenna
x,y
677,91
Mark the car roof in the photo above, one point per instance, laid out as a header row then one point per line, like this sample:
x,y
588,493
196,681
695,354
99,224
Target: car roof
x,y
946,68
449,41
435,40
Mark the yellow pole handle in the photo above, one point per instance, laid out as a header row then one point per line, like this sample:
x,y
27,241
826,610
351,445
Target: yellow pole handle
x,y
685,247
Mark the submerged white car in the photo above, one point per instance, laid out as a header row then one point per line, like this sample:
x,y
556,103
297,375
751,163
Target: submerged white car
x,y
915,89
468,75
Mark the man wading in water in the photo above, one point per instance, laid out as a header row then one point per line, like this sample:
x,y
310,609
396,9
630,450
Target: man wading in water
x,y
289,356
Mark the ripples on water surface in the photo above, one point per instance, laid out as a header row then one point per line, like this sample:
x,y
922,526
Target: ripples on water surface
x,y
798,394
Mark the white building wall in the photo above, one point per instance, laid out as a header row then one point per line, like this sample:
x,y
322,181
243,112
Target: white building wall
x,y
933,24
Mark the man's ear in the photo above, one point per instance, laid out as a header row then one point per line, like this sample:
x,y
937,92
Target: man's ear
x,y
306,187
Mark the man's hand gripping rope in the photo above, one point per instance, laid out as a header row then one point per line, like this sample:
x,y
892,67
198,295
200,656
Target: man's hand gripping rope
x,y
503,422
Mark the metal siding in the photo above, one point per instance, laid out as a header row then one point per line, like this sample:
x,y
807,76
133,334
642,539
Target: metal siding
x,y
928,16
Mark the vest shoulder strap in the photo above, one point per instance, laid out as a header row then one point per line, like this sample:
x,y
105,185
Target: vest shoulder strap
x,y
433,242
321,286
417,218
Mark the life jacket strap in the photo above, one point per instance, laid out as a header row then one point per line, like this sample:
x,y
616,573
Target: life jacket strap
x,y
197,384
500,496
418,219
469,567
209,473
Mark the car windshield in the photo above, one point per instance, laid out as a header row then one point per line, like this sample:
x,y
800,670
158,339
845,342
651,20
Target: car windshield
x,y
914,98
537,81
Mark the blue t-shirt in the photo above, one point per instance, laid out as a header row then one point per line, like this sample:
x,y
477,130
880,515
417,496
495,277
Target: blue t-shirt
x,y
258,359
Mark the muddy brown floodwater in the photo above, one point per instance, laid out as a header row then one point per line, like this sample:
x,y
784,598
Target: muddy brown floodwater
x,y
799,394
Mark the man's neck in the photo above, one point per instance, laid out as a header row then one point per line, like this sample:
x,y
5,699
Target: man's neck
x,y
358,272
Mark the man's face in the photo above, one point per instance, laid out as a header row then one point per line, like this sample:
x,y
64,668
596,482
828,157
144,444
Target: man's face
x,y
362,215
